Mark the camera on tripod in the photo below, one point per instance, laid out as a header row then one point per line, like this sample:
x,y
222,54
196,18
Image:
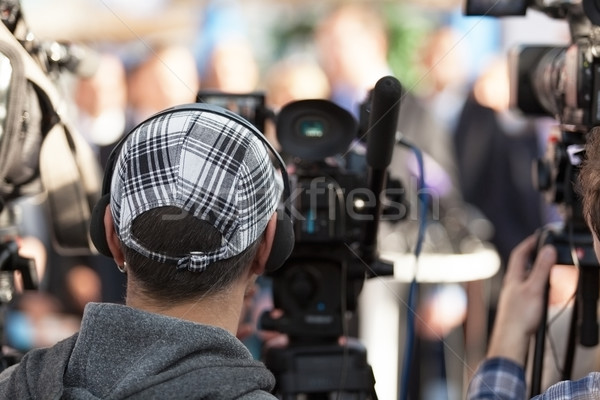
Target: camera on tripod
x,y
562,82
338,197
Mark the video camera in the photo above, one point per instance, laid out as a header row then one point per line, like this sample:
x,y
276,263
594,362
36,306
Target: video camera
x,y
332,207
338,197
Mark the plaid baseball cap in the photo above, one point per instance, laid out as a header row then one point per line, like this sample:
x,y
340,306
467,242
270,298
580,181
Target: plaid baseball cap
x,y
205,164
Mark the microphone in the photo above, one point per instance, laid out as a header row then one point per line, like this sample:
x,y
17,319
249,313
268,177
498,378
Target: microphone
x,y
383,121
381,135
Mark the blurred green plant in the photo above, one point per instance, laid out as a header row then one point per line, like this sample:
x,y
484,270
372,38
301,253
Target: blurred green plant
x,y
407,27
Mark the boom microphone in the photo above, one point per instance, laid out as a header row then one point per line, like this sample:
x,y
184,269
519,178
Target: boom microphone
x,y
383,122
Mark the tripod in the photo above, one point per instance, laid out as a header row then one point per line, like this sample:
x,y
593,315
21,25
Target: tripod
x,y
584,319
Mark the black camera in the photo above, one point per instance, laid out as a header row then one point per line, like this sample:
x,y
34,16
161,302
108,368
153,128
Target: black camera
x,y
335,211
329,217
332,209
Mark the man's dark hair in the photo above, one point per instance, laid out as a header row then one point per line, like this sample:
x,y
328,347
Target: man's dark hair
x,y
589,181
169,230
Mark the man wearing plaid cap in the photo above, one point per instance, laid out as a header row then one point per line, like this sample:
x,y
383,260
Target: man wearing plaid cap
x,y
191,218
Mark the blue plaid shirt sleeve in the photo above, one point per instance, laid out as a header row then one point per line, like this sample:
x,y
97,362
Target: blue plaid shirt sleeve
x,y
502,379
498,379
587,388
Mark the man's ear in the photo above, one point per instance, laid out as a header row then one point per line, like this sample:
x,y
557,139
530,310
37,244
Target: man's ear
x,y
114,244
264,249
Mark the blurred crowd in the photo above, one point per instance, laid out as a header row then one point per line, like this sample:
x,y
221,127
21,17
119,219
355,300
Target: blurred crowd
x,y
477,154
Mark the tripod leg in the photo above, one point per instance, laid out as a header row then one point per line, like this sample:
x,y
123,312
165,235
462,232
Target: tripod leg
x,y
570,355
540,341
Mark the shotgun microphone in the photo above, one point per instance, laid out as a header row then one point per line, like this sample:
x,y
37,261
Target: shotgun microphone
x,y
381,135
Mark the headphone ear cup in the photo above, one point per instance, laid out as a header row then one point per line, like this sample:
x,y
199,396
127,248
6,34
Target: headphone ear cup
x,y
97,231
283,242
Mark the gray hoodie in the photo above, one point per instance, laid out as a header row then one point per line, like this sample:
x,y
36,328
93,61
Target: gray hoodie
x,y
121,352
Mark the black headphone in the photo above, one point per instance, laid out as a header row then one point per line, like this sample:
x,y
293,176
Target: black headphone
x,y
283,242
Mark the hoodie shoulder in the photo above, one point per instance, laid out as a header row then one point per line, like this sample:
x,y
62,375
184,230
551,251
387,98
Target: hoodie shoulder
x,y
39,374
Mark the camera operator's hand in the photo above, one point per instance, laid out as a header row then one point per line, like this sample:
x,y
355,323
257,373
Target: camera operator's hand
x,y
521,301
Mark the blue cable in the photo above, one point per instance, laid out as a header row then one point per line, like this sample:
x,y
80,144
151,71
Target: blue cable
x,y
414,286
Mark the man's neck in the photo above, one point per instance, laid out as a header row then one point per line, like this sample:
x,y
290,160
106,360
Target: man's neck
x,y
221,310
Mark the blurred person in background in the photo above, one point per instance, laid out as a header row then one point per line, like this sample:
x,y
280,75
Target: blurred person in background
x,y
165,77
444,83
224,55
231,67
101,104
351,43
295,77
495,147
101,107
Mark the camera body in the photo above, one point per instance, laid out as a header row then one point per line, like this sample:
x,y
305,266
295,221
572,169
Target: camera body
x,y
324,274
332,205
316,138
